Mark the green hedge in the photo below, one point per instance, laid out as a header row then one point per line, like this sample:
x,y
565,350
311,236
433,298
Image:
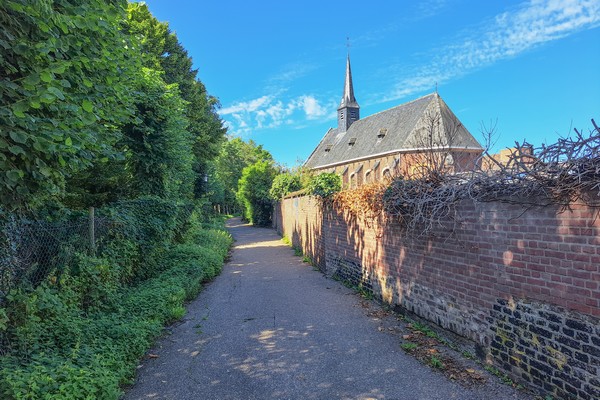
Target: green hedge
x,y
81,333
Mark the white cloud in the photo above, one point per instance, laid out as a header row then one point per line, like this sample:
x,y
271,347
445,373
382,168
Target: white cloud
x,y
246,106
268,112
508,34
312,108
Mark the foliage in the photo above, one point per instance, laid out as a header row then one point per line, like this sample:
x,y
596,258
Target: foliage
x,y
235,155
81,333
253,191
284,184
325,185
163,52
157,146
366,200
67,70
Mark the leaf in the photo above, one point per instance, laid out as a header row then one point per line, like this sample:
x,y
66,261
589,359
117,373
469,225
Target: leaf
x,y
87,106
58,68
47,172
35,104
14,175
57,92
16,150
19,113
65,83
32,79
62,161
47,98
18,137
68,141
46,76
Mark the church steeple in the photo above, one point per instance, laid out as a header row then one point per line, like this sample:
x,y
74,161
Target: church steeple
x,y
349,110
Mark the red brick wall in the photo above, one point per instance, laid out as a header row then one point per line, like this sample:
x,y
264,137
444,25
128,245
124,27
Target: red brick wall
x,y
493,263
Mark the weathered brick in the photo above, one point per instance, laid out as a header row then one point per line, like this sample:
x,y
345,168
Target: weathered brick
x,y
578,325
467,269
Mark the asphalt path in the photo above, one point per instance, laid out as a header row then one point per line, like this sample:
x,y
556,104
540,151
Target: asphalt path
x,y
271,327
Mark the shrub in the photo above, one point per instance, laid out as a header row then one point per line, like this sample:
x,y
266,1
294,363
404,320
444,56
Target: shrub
x,y
324,185
253,191
284,184
81,333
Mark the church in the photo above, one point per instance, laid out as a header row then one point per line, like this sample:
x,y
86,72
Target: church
x,y
407,140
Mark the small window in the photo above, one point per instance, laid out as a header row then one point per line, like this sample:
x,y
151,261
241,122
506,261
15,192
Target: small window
x,y
368,176
341,115
382,133
328,148
352,141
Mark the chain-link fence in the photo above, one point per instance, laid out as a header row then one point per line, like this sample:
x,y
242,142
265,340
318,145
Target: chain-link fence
x,y
31,250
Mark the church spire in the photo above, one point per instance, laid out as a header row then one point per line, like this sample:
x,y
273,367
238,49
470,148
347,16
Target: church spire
x,y
349,110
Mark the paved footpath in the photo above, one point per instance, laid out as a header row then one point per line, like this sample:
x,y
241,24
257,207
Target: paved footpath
x,y
271,327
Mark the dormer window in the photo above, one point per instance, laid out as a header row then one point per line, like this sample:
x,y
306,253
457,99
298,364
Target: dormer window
x,y
328,148
382,133
352,141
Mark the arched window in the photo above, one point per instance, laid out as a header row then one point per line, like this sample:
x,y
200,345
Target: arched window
x,y
386,173
368,176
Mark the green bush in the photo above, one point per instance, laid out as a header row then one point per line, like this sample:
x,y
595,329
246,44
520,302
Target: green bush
x,y
253,192
80,334
284,184
325,184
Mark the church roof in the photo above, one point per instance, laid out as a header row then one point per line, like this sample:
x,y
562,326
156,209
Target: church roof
x,y
417,125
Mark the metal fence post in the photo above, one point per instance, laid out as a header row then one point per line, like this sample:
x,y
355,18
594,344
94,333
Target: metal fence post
x,y
92,232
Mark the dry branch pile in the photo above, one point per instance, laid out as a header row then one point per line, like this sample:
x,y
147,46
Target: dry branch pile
x,y
559,174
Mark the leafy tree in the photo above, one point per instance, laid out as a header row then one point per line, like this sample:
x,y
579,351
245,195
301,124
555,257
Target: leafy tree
x,y
66,70
253,192
157,144
325,184
164,52
235,155
284,184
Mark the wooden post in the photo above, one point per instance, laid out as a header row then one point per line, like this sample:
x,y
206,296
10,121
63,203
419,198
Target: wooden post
x,y
92,231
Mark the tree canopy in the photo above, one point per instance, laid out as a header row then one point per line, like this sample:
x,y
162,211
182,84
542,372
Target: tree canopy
x,y
100,101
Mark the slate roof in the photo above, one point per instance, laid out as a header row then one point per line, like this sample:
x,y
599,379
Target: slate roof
x,y
398,129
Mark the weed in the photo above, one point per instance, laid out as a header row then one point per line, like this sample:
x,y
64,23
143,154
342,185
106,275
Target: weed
x,y
436,362
297,252
198,329
468,355
365,293
287,241
306,259
408,346
503,377
425,329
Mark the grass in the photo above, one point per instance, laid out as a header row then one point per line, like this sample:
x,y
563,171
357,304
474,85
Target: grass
x,y
408,346
436,362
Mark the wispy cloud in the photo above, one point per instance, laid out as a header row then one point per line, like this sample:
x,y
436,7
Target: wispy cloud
x,y
506,35
291,72
429,8
270,112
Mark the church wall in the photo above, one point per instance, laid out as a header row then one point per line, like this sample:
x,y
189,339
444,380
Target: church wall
x,y
522,284
379,169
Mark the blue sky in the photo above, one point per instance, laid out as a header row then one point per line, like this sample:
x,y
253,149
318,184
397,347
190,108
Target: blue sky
x,y
532,67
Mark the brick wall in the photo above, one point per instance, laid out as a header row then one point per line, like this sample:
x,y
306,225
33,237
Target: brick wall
x,y
523,284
